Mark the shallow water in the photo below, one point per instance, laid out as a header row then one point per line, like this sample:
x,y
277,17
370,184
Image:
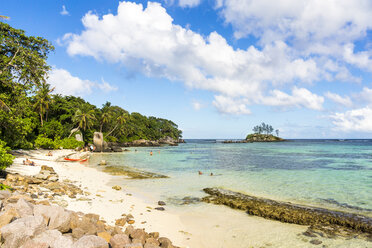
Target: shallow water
x,y
331,174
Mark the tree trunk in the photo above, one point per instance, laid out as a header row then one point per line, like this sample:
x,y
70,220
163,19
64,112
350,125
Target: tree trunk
x,y
41,119
112,130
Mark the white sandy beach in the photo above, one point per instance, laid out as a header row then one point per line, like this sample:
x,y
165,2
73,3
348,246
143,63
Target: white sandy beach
x,y
204,226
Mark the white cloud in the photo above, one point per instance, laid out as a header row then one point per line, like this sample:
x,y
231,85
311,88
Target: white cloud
x,y
106,87
356,120
311,27
360,59
300,97
66,84
344,101
197,105
146,40
365,96
64,10
227,105
189,3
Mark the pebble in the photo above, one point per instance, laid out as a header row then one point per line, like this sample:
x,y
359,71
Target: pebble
x,y
161,203
116,187
160,208
315,242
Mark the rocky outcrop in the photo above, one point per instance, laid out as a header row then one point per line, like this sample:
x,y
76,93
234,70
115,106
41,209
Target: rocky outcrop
x,y
131,172
28,220
98,142
290,213
263,138
168,141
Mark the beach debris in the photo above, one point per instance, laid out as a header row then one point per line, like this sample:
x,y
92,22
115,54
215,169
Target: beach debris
x,y
116,187
161,203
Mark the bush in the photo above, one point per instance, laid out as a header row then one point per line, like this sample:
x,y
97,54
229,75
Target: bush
x,y
52,129
6,159
68,143
44,142
111,139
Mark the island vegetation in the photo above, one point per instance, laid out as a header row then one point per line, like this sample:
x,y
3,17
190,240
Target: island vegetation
x,y
31,116
263,133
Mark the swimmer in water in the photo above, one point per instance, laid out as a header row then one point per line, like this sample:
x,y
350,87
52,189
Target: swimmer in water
x,y
151,153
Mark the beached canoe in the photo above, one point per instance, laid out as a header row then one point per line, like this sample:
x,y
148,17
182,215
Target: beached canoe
x,y
76,159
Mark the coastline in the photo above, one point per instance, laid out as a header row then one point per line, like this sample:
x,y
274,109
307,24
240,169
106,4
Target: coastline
x,y
110,204
201,226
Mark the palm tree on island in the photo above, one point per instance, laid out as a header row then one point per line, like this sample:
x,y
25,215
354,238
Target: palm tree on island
x,y
263,133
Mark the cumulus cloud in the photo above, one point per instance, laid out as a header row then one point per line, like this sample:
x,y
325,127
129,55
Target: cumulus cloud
x,y
64,10
344,101
189,3
300,97
353,120
66,84
146,40
311,27
105,86
365,96
228,105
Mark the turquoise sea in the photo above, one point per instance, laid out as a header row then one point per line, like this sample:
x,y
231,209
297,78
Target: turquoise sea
x,y
335,174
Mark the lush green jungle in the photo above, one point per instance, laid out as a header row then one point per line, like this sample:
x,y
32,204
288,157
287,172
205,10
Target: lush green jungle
x,y
31,116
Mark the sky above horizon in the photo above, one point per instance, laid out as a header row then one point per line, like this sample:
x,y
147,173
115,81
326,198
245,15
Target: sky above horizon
x,y
215,67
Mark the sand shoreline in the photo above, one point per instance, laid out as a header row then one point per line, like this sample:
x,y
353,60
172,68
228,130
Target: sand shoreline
x,y
199,226
110,204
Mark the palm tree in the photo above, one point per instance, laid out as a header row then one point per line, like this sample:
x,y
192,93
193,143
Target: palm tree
x,y
105,118
4,106
84,118
43,99
121,120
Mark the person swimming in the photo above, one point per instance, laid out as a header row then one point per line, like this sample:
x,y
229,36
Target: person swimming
x,y
151,153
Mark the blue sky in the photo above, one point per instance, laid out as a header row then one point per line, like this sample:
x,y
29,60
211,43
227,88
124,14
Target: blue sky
x,y
215,67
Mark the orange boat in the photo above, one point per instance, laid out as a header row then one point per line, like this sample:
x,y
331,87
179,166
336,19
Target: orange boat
x,y
76,159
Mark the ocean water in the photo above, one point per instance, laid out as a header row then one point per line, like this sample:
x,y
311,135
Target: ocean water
x,y
327,173
324,173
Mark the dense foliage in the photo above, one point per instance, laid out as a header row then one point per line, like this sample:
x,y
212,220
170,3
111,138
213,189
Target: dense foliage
x,y
31,116
6,159
264,129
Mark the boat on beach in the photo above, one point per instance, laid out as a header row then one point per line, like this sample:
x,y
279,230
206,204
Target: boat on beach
x,y
76,159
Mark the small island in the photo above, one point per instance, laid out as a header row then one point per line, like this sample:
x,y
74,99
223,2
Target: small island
x,y
262,133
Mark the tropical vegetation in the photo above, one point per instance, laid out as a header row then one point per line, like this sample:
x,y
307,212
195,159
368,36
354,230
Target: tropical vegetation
x,y
31,116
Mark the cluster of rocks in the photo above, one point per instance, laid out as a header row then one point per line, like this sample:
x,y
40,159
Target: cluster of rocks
x,y
26,223
235,141
163,141
45,185
256,137
333,223
131,172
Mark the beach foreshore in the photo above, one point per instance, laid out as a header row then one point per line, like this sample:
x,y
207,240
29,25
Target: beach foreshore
x,y
200,226
100,198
